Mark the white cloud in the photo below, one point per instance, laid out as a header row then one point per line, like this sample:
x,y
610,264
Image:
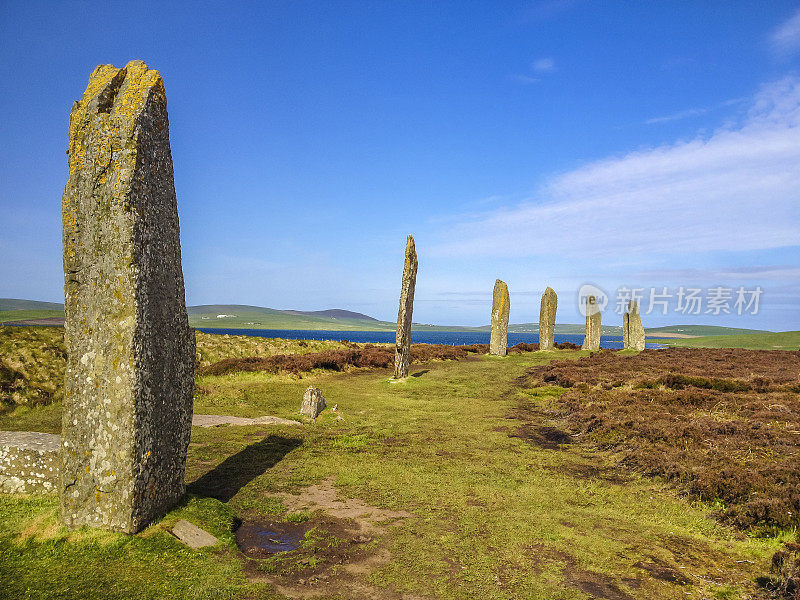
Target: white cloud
x,y
544,65
526,79
737,189
684,114
727,274
786,38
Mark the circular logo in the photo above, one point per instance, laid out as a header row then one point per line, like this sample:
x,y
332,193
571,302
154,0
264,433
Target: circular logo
x,y
591,299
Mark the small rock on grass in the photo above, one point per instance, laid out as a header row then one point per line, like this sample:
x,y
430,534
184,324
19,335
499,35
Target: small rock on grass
x,y
313,402
191,535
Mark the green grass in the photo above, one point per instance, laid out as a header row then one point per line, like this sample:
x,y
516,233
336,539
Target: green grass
x,y
703,330
33,361
785,340
492,515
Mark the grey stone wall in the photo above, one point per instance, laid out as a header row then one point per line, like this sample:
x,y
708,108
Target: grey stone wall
x,y
29,462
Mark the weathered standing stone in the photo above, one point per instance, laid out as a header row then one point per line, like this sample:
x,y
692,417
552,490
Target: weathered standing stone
x,y
313,402
501,305
130,351
547,319
592,339
402,351
633,335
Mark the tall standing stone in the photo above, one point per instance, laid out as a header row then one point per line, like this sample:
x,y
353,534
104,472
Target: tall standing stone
x,y
501,305
130,352
633,335
402,351
547,319
592,339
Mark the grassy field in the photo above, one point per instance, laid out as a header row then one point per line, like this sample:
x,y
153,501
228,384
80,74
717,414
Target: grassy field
x,y
33,361
24,315
785,340
702,330
416,490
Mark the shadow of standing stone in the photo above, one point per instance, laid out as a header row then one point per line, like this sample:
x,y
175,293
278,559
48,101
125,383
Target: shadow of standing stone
x,y
225,480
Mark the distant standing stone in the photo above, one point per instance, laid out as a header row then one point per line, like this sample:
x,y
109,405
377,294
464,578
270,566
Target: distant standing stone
x,y
633,335
501,305
130,352
402,352
547,319
592,339
313,402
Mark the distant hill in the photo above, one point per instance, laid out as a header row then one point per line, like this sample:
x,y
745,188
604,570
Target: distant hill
x,y
333,313
243,316
237,316
785,340
702,330
31,312
17,304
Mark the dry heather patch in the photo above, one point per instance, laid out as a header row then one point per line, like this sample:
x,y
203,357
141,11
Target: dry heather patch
x,y
212,348
723,425
33,359
32,364
369,356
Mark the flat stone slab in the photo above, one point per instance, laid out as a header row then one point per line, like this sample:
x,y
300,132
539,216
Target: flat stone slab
x,y
217,420
29,461
192,535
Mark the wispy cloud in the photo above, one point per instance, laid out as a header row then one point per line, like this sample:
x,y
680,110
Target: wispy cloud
x,y
526,79
684,114
736,189
544,65
786,38
726,274
539,67
694,112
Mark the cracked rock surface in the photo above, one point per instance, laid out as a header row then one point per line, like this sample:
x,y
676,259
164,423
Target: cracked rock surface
x,y
130,351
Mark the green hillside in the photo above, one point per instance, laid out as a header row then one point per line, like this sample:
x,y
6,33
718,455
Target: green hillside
x,y
785,340
240,316
236,316
702,330
17,304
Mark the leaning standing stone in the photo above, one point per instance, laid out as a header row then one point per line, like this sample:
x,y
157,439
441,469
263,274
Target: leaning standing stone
x,y
313,402
633,335
547,319
402,352
498,344
592,339
130,351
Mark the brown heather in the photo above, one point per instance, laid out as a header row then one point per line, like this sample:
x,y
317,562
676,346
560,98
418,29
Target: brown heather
x,y
722,425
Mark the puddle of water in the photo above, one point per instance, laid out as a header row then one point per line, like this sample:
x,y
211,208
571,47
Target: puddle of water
x,y
273,541
259,539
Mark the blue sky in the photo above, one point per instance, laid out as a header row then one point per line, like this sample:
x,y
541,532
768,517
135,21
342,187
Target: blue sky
x,y
546,143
